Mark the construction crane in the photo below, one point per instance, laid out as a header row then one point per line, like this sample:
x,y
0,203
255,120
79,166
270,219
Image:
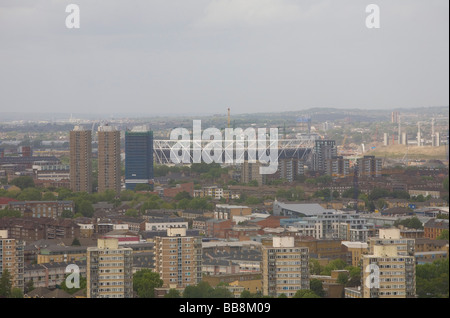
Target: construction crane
x,y
343,144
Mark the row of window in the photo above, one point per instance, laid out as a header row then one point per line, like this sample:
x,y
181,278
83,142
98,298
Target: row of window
x,y
289,281
112,258
174,280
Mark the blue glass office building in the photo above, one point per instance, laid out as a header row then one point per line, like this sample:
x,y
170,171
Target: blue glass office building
x,y
138,158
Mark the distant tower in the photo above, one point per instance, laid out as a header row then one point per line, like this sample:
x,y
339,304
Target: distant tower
x,y
437,139
80,160
386,139
394,117
419,135
108,159
404,139
304,121
138,157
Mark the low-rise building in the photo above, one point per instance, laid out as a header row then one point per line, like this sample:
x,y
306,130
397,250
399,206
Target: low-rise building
x,y
50,275
434,227
37,209
61,254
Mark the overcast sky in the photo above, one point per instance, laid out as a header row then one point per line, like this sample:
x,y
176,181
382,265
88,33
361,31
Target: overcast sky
x,y
177,56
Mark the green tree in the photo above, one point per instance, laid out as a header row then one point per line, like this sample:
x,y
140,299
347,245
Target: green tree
x,y
49,196
220,292
64,194
30,194
201,290
432,280
84,207
144,283
336,264
29,286
350,193
76,242
314,267
16,293
445,184
443,235
173,293
10,213
413,223
143,187
378,193
246,294
252,201
182,195
317,287
5,284
305,293
126,195
183,204
342,279
253,183
132,213
23,182
67,214
354,276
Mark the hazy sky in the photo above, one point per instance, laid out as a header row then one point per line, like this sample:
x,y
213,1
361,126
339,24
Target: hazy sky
x,y
172,56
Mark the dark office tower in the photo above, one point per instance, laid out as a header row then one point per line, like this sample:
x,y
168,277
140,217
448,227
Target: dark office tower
x,y
323,150
138,157
80,160
108,159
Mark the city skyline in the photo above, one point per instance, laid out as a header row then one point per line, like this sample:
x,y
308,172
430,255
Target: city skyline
x,y
205,56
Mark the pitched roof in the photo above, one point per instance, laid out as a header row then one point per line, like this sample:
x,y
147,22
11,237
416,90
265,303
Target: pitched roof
x,y
438,224
38,292
57,293
5,200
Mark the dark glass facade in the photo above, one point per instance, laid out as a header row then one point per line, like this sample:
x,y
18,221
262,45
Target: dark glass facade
x,y
138,158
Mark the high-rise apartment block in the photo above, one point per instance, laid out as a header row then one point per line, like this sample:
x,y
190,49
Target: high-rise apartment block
x,y
290,168
12,259
138,157
323,150
109,270
370,166
108,159
395,117
250,172
285,267
178,258
388,271
337,167
80,160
